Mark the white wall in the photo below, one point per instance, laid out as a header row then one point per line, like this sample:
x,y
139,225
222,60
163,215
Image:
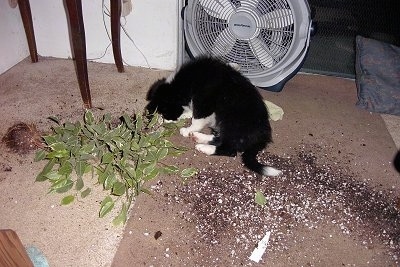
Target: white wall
x,y
152,25
13,45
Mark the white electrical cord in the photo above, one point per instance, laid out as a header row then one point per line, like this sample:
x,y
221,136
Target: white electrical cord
x,y
106,12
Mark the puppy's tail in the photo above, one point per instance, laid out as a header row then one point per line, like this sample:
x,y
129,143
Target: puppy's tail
x,y
249,158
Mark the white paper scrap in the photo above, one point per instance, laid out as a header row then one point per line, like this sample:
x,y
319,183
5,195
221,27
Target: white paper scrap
x,y
258,252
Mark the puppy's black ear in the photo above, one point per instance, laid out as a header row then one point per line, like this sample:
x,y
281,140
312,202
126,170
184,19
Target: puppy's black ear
x,y
153,89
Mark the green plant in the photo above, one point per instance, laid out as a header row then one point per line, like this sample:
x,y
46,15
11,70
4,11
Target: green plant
x,y
260,199
123,154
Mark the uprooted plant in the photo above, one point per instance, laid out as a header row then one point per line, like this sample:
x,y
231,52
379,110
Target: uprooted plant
x,y
123,155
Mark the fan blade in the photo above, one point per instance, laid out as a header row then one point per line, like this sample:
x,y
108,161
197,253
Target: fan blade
x,y
221,9
262,52
224,43
249,4
278,18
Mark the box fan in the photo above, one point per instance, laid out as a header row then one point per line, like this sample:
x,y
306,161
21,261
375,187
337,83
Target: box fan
x,y
267,39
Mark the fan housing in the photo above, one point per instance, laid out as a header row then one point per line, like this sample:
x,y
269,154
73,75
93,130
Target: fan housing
x,y
267,39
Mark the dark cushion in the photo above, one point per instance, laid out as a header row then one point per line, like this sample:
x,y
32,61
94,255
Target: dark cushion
x,y
378,76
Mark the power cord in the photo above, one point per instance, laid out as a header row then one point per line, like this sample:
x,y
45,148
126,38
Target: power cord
x,y
106,12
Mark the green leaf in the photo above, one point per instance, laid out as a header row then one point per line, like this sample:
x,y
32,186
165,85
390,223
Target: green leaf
x,y
189,172
175,152
77,128
53,175
106,206
152,137
79,184
134,146
109,181
89,118
65,168
130,171
139,123
153,121
54,118
58,129
72,141
88,148
50,139
127,121
101,175
145,190
58,154
40,178
84,157
260,198
148,169
86,192
107,158
144,141
121,218
112,146
66,187
46,169
40,155
80,168
119,142
75,150
100,128
70,126
118,189
169,125
107,118
59,146
150,176
169,169
138,174
162,153
126,134
87,133
67,200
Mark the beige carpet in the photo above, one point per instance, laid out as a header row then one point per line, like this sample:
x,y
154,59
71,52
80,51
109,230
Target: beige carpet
x,y
67,235
319,113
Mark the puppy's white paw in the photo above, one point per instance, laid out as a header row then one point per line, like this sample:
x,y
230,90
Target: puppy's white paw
x,y
206,149
201,138
184,131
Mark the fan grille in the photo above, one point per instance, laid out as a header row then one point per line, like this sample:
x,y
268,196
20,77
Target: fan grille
x,y
266,39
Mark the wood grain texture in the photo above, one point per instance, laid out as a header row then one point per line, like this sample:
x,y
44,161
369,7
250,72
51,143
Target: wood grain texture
x,y
12,252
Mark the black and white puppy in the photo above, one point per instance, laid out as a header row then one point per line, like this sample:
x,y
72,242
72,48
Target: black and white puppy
x,y
224,100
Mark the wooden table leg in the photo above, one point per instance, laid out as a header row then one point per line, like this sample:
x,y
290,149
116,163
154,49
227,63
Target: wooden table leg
x,y
75,20
115,6
25,10
12,252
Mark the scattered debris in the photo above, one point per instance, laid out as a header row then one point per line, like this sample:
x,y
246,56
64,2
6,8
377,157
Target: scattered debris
x,y
258,252
5,168
22,138
157,235
313,190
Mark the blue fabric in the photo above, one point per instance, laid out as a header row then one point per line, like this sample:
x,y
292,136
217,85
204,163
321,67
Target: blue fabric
x,y
378,76
37,257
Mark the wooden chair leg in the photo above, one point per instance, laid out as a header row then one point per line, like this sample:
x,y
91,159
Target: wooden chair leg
x,y
26,15
75,19
115,6
12,251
